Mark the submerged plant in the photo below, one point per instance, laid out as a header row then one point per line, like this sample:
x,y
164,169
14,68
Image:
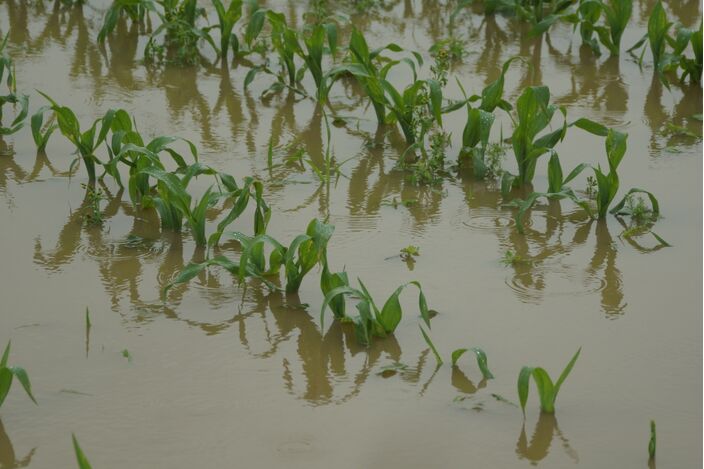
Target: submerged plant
x,y
86,142
304,252
668,50
372,321
8,66
547,390
482,361
8,373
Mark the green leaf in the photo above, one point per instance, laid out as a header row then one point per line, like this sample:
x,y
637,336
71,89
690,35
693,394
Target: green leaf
x,y
438,358
23,378
566,372
5,355
80,457
523,386
591,126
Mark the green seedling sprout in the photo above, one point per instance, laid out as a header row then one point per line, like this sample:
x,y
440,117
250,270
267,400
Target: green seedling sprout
x,y
547,390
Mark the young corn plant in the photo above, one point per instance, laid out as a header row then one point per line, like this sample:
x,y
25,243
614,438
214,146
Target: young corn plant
x,y
482,360
370,69
534,113
587,17
41,131
557,189
86,142
668,50
227,18
608,183
372,321
173,202
298,259
135,10
8,66
8,373
181,34
287,44
547,390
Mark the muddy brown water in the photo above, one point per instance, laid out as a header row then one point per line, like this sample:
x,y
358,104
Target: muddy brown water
x,y
226,376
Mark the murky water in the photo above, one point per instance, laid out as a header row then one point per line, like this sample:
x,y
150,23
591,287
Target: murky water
x,y
223,376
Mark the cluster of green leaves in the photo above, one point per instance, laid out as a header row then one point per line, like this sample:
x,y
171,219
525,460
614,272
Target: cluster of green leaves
x,y
547,390
480,119
669,50
607,183
370,321
533,114
7,75
304,253
309,46
150,184
7,375
599,21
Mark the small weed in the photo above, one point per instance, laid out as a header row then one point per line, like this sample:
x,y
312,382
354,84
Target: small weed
x,y
512,258
409,252
94,197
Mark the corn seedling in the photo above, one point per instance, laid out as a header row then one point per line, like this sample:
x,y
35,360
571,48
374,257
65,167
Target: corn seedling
x,y
534,113
86,142
482,361
557,189
42,131
8,373
304,252
8,66
547,390
135,10
226,22
181,34
608,184
372,321
668,50
80,457
366,67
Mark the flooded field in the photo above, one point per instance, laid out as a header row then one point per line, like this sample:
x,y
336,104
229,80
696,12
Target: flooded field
x,y
230,373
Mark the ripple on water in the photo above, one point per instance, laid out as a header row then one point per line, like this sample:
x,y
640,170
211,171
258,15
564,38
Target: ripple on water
x,y
553,278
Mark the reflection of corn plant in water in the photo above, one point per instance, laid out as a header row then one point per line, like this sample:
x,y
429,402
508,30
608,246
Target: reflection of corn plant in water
x,y
547,390
8,373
